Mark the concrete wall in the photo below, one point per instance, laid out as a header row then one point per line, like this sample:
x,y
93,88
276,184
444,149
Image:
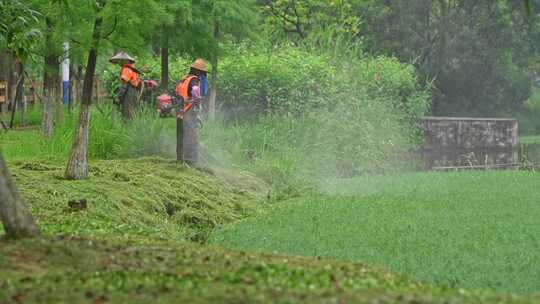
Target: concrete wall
x,y
450,141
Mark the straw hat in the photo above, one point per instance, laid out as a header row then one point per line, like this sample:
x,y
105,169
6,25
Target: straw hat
x,y
200,65
121,58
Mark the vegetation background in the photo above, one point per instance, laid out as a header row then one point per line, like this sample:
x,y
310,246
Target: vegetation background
x,y
301,92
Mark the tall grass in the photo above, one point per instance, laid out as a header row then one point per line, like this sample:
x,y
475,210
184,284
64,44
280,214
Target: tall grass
x,y
110,137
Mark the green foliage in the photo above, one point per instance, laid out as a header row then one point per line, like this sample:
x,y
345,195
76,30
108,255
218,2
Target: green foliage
x,y
528,118
285,81
330,119
305,19
291,81
477,53
467,229
18,28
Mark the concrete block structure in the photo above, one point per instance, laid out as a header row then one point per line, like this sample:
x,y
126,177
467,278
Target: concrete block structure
x,y
470,142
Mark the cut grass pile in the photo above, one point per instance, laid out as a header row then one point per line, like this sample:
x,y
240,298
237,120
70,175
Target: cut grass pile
x,y
88,271
466,229
149,197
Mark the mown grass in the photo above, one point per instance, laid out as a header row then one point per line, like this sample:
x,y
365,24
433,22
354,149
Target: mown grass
x,y
76,270
466,229
144,197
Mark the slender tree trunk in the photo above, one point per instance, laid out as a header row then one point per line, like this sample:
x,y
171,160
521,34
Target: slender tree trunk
x,y
11,81
24,108
48,83
164,61
77,167
18,93
59,102
47,119
79,84
71,88
214,78
14,214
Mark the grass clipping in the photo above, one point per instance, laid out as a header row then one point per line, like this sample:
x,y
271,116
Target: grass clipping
x,y
149,197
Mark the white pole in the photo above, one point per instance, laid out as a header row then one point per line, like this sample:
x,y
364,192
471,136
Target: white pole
x,y
65,73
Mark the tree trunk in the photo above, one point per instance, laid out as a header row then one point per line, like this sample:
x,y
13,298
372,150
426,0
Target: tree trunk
x,y
78,82
57,93
16,218
77,167
48,72
214,77
165,61
18,93
47,118
24,108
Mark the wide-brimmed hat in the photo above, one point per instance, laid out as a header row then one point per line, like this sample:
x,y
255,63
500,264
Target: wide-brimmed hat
x,y
200,65
121,58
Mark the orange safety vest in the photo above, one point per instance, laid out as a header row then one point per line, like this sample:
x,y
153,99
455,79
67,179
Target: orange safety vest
x,y
182,90
129,75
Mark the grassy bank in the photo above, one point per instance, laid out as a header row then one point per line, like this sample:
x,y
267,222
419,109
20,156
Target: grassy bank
x,y
89,271
467,229
149,197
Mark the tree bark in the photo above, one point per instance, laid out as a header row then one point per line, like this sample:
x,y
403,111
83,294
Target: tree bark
x,y
57,93
165,61
18,93
77,167
48,83
47,118
17,220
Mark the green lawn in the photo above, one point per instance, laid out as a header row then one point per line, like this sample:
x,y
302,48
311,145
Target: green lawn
x,y
467,229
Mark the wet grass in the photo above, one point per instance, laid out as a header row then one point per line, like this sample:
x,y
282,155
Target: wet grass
x,y
467,229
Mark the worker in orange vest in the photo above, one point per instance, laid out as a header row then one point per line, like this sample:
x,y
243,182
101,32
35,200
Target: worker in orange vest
x,y
128,94
189,89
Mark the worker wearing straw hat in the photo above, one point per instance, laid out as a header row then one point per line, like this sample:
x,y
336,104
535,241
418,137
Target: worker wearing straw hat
x,y
189,89
128,94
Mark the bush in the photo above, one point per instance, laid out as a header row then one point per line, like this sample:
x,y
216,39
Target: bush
x,y
294,81
288,81
306,115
